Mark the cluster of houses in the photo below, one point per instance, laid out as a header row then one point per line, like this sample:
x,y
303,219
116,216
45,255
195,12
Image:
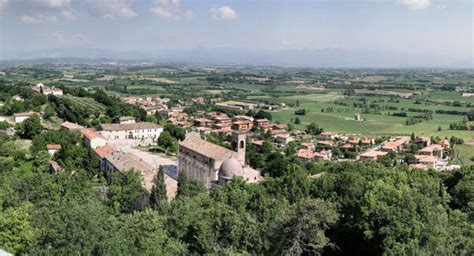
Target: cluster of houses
x,y
430,156
326,142
236,105
150,104
272,107
46,90
112,159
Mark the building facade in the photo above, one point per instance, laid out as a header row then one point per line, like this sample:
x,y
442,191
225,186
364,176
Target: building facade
x,y
131,131
202,160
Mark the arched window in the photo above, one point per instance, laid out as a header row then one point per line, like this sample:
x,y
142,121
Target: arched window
x,y
241,144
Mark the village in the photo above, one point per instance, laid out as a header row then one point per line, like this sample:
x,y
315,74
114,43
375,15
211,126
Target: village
x,y
121,146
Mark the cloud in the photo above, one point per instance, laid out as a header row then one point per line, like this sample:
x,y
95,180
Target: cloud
x,y
170,9
38,18
3,3
189,15
416,4
223,13
161,12
111,9
54,3
68,15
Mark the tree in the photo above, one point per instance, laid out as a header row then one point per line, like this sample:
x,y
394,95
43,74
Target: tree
x,y
126,193
158,192
69,227
183,184
166,140
463,194
297,120
313,129
4,125
41,161
263,114
145,233
300,229
30,127
294,185
48,112
175,131
410,158
386,211
16,231
277,164
300,112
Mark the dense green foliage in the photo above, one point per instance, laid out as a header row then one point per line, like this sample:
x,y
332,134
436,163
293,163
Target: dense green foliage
x,y
352,209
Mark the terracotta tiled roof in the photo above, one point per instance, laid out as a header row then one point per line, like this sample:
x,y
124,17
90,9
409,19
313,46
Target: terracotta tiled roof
x,y
373,154
205,148
24,114
326,142
128,127
431,148
425,159
53,146
71,126
90,134
105,150
305,153
262,120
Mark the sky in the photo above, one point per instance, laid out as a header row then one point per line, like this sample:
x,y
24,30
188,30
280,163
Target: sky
x,y
435,28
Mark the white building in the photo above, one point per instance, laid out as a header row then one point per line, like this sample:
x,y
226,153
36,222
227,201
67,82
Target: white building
x,y
131,131
93,139
41,88
53,148
20,117
127,120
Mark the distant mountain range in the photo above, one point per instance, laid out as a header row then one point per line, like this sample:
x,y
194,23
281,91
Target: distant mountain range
x,y
331,57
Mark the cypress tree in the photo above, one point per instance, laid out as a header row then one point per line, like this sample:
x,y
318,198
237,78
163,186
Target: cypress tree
x,y
158,191
183,184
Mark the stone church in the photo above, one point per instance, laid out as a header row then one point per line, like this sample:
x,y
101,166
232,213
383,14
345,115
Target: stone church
x,y
212,164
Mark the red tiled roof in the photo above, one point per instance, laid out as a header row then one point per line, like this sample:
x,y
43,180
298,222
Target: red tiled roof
x,y
105,150
71,126
305,153
90,134
128,127
53,146
258,142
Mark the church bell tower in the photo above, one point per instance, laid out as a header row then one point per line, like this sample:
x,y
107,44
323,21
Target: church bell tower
x,y
239,144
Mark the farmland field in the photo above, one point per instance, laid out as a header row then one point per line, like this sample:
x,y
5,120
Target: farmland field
x,y
87,103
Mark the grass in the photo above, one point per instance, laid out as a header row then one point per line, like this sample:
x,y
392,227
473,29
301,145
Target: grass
x,y
341,119
466,153
87,103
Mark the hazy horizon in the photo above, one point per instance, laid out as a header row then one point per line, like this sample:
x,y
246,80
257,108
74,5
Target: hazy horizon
x,y
346,33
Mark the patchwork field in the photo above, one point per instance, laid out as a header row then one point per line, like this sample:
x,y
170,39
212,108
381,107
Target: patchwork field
x,y
340,118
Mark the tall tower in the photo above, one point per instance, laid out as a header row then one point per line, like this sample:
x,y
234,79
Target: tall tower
x,y
239,144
